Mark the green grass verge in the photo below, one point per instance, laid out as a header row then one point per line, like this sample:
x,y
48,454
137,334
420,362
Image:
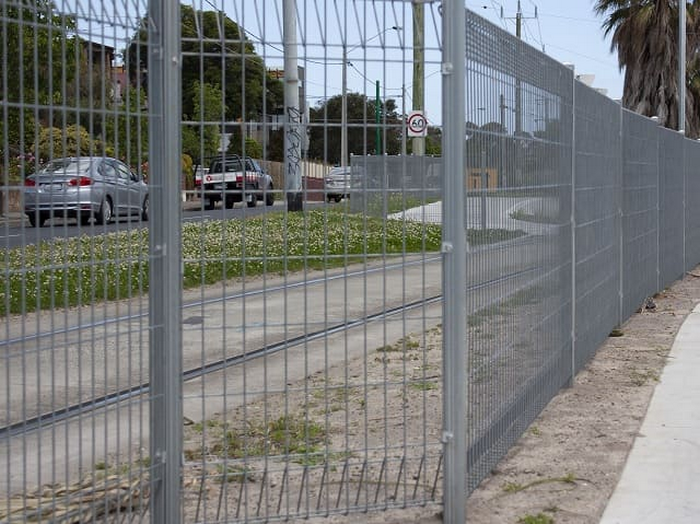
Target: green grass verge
x,y
90,269
85,270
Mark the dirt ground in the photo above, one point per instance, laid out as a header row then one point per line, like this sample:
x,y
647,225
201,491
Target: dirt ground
x,y
569,461
562,470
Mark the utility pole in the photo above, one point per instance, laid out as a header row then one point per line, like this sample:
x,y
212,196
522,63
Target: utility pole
x,y
681,64
292,129
378,119
403,112
518,89
500,180
418,68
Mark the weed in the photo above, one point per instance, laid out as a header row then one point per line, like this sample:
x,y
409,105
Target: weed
x,y
641,378
540,518
424,385
514,487
229,473
535,431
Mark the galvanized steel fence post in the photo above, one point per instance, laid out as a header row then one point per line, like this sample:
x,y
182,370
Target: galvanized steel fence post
x,y
454,247
165,264
570,382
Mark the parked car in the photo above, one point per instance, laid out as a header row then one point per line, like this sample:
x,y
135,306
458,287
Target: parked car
x,y
337,184
84,188
231,179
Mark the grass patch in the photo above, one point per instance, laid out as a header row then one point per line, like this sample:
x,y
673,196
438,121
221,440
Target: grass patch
x,y
294,436
514,487
481,237
85,270
230,473
537,218
641,378
424,385
540,518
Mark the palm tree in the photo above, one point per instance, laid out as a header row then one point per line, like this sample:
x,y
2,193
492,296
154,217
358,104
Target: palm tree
x,y
645,35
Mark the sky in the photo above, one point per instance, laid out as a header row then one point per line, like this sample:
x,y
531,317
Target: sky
x,y
377,35
570,32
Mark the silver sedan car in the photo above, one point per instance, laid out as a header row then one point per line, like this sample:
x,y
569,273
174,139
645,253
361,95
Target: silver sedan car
x,y
84,188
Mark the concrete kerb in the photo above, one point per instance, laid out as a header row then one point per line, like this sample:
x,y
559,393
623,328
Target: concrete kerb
x,y
661,478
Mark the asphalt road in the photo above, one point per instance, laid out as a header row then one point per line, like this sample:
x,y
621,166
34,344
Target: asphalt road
x,y
17,232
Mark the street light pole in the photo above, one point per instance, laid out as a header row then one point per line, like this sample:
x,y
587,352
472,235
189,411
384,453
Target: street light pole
x,y
292,129
344,112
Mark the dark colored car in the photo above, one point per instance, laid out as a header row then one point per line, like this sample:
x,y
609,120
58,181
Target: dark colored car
x,y
234,179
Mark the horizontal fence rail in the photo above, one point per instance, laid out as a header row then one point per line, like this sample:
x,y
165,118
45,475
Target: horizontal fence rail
x,y
238,271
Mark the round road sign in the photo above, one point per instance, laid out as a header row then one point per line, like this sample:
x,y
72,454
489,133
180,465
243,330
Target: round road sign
x,y
417,124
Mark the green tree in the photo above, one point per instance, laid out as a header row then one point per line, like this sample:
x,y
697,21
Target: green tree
x,y
30,30
250,147
325,133
215,52
645,35
73,140
126,128
201,140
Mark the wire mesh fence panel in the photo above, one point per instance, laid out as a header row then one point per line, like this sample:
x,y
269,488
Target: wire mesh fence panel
x,y
597,202
226,262
640,211
74,263
518,187
671,213
692,205
311,324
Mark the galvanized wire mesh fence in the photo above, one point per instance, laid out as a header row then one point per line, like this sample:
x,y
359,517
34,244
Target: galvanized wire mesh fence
x,y
241,339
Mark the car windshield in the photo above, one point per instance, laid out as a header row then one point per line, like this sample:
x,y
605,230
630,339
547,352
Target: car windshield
x,y
65,165
339,171
229,166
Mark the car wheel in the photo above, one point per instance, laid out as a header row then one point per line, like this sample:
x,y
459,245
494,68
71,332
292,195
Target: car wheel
x,y
145,209
338,198
210,204
84,219
252,203
104,215
270,196
229,202
36,219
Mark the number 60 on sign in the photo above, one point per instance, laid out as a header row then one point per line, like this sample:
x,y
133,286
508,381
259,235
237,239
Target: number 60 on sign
x,y
417,124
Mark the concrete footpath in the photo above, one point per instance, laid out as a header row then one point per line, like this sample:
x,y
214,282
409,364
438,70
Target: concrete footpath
x,y
661,479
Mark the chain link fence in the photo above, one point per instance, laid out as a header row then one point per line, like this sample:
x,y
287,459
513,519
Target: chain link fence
x,y
237,289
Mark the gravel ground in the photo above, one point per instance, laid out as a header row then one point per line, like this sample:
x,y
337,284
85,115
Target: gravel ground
x,y
565,467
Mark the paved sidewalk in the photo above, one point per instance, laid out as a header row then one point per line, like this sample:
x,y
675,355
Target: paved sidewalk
x,y
661,479
12,219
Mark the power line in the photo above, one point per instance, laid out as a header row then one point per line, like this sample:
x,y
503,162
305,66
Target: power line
x,y
539,26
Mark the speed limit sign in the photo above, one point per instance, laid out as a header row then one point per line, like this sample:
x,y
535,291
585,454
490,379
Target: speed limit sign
x,y
417,124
